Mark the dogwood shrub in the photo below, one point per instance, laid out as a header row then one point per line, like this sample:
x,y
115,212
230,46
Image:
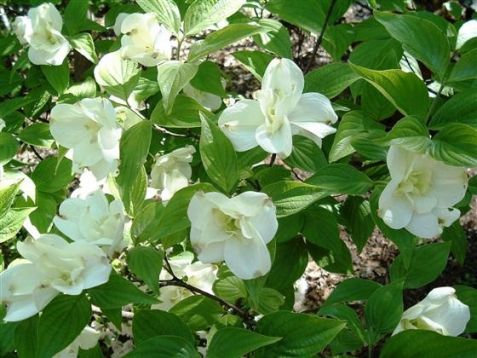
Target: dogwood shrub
x,y
139,185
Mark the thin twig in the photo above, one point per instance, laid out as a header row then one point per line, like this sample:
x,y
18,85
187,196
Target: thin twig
x,y
320,37
36,152
272,159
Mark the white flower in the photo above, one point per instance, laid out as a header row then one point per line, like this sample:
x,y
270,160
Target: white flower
x,y
207,100
118,23
90,129
88,184
234,230
198,274
171,172
51,266
144,40
280,111
466,32
93,219
87,339
421,193
440,312
41,30
114,70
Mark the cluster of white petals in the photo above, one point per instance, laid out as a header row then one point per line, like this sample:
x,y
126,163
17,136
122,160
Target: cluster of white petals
x,y
87,339
144,40
93,219
172,172
41,30
90,129
198,274
440,311
421,193
280,110
50,266
235,230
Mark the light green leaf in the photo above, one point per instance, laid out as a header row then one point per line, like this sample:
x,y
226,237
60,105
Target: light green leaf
x,y
218,156
146,263
331,79
7,196
61,322
84,44
254,61
306,155
230,288
75,15
185,113
12,222
465,68
455,145
166,11
234,342
303,335
8,147
410,133
460,108
58,76
172,77
420,37
203,13
277,40
38,134
404,90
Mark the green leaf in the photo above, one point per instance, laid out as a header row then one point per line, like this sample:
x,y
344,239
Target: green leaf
x,y
461,108
465,68
410,133
456,235
230,288
203,13
303,335
209,79
173,76
38,134
468,296
356,213
265,300
224,37
306,155
85,89
164,346
134,147
327,249
118,292
75,15
12,222
199,312
84,44
291,197
420,343
61,322
309,15
277,41
7,196
404,90
427,263
218,156
57,76
331,79
352,289
345,313
254,61
166,12
185,113
53,174
26,337
383,310
341,179
420,37
152,323
234,342
146,263
8,147
455,145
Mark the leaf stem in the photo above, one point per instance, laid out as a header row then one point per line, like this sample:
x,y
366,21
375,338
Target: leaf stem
x,y
320,37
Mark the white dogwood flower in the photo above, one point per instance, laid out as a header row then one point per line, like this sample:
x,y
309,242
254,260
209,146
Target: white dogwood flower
x,y
118,23
440,311
280,111
87,339
41,30
172,172
466,32
198,274
93,219
50,266
421,193
234,230
144,40
89,128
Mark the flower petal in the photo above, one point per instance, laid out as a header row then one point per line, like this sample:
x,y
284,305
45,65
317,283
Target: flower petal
x,y
395,209
279,142
247,258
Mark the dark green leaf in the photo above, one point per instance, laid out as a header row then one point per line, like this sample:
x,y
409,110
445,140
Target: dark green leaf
x,y
152,323
146,263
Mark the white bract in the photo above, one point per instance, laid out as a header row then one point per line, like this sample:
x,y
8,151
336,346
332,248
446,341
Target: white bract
x,y
207,100
93,219
280,110
41,30
172,172
235,230
466,32
89,128
51,266
440,311
421,193
87,339
144,40
198,274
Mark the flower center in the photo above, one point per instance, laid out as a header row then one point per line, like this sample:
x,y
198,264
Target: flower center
x,y
416,183
228,224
